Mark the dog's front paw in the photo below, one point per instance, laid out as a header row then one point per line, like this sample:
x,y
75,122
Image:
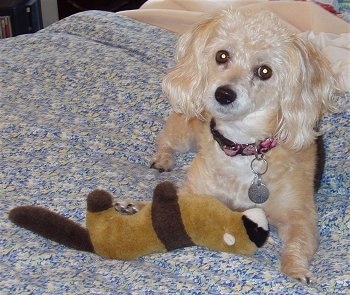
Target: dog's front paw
x,y
305,280
304,277
301,274
163,162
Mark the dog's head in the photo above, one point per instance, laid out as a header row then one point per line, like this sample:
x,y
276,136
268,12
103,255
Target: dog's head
x,y
237,66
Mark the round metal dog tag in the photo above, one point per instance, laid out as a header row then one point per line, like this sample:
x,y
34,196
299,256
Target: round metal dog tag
x,y
258,193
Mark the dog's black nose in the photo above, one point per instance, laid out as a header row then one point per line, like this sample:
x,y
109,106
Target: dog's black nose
x,y
225,95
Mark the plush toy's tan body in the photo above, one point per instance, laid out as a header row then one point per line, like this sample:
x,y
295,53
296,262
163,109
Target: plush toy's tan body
x,y
168,223
119,236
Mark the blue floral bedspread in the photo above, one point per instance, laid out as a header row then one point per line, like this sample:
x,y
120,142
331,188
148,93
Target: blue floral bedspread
x,y
80,108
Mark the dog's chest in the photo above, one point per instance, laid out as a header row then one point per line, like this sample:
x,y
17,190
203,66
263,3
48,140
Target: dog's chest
x,y
234,177
223,177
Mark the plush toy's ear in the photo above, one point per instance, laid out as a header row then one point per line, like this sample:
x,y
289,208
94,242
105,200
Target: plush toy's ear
x,y
256,225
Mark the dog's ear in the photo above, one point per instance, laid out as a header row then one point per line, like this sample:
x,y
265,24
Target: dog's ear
x,y
309,89
185,83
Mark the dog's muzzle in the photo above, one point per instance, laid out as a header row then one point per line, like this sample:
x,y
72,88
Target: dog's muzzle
x,y
225,95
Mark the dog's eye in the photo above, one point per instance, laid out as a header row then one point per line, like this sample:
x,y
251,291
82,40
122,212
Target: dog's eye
x,y
263,72
222,57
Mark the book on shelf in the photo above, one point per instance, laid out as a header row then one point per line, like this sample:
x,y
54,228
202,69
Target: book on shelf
x,y
19,17
5,27
34,17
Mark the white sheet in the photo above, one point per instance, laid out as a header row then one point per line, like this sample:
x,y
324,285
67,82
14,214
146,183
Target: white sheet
x,y
329,32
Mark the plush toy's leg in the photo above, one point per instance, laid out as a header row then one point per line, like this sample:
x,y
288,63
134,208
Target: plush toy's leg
x,y
52,226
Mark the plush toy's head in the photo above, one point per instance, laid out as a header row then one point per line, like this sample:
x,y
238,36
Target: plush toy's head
x,y
168,223
172,222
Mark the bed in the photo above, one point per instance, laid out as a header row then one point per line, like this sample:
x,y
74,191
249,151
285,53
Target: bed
x,y
81,106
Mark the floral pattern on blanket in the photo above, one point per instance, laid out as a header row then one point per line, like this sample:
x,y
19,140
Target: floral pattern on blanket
x,y
81,105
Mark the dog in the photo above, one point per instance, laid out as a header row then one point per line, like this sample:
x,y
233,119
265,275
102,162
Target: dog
x,y
248,94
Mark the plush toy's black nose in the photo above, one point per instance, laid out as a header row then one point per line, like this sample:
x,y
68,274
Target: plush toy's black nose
x,y
225,95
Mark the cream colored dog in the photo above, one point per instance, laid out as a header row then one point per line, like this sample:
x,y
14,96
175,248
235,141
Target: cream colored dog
x,y
248,94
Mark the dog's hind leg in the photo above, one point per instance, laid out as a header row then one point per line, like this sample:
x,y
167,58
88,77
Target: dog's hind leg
x,y
179,134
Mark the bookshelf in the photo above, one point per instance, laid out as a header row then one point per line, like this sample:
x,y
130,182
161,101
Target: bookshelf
x,y
19,17
69,7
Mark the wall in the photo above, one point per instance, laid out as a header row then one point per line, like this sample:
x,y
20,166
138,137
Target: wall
x,y
49,12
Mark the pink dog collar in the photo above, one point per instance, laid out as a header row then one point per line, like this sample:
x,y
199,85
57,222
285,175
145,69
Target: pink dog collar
x,y
232,149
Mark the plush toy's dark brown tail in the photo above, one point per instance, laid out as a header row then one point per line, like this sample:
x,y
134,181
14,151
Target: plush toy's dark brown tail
x,y
52,226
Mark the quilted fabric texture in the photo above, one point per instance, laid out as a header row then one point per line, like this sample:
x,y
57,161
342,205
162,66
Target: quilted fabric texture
x,y
81,106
